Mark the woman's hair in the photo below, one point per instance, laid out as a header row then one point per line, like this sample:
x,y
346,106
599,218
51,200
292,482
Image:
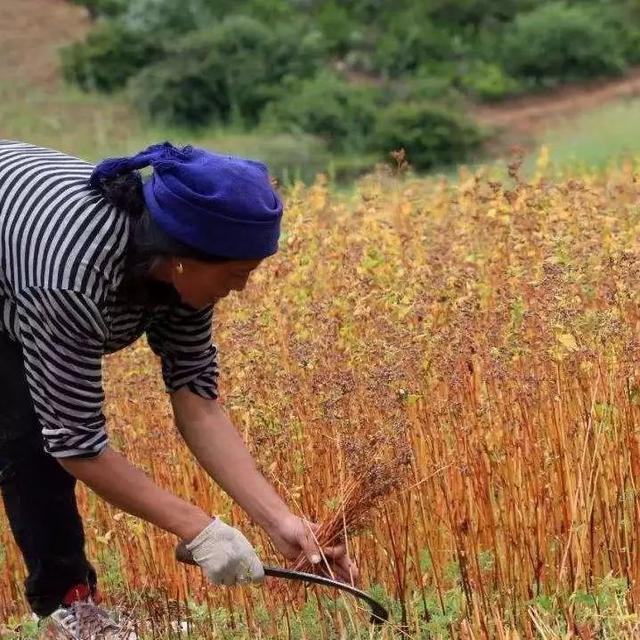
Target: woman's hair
x,y
147,243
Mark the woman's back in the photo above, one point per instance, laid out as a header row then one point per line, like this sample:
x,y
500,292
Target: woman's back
x,y
63,251
55,233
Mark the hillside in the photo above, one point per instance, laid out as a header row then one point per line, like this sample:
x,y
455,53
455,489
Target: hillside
x,y
31,32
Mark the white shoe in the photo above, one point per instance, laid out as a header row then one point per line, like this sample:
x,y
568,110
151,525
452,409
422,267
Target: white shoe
x,y
84,621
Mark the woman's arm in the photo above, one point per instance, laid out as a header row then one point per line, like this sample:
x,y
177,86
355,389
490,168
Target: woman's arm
x,y
216,444
63,334
220,450
116,480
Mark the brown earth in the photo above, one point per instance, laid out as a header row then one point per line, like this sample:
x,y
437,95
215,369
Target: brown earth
x,y
31,31
532,112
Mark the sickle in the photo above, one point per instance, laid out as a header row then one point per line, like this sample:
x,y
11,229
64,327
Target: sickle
x,y
379,615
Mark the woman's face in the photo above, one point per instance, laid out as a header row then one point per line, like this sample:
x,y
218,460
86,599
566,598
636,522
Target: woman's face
x,y
200,284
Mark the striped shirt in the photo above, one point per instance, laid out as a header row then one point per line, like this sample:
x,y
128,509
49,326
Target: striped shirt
x,y
62,257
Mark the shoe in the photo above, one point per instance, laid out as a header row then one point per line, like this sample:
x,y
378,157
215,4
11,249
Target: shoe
x,y
83,621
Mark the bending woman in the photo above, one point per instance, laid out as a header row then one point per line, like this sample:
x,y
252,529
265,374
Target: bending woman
x,y
90,259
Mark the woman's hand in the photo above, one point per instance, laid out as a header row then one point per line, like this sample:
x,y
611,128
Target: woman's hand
x,y
293,535
225,555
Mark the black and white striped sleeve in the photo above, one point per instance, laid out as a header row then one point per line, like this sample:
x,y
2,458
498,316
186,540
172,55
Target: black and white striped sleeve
x,y
62,334
182,337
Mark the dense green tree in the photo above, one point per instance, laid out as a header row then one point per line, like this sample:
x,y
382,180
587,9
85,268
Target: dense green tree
x,y
429,133
107,8
477,13
167,17
110,54
227,72
326,105
559,42
411,40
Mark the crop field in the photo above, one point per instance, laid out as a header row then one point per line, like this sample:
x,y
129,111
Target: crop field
x,y
450,368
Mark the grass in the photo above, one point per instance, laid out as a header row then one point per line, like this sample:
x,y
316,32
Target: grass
x,y
93,127
596,139
603,609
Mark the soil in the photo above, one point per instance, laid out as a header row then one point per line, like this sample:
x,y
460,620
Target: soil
x,y
520,120
31,31
533,112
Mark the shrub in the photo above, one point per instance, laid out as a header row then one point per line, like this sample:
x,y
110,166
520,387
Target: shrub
x,y
109,56
560,42
293,51
269,11
188,15
477,12
337,27
431,82
624,19
165,18
487,81
431,134
98,8
226,73
342,114
181,90
411,40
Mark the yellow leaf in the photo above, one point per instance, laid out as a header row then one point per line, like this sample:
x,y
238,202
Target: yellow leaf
x,y
105,538
568,341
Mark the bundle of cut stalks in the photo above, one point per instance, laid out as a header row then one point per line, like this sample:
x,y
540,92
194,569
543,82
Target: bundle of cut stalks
x,y
374,476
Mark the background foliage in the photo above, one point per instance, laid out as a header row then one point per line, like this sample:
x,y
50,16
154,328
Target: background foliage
x,y
336,70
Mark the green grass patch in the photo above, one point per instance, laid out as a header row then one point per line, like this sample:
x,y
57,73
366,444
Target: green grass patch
x,y
597,139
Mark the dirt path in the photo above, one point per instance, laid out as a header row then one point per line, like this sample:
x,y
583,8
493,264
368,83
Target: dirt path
x,y
31,31
528,115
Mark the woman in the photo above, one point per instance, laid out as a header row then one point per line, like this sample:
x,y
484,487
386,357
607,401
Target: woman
x,y
90,259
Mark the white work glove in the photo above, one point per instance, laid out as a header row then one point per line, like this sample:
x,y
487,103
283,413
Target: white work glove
x,y
225,555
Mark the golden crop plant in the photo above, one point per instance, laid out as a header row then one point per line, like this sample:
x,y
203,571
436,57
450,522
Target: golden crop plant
x,y
443,372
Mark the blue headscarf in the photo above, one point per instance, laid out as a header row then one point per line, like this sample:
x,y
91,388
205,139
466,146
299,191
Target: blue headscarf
x,y
221,205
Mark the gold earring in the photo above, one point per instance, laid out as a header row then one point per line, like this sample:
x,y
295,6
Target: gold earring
x,y
180,268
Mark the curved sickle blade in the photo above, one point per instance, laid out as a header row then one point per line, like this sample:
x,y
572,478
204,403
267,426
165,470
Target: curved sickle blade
x,y
379,615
